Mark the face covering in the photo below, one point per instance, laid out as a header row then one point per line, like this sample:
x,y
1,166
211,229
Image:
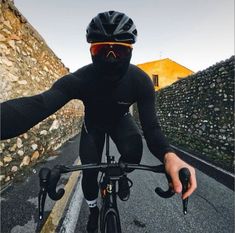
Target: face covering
x,y
111,69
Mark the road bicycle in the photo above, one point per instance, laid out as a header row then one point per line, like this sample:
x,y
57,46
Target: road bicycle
x,y
111,172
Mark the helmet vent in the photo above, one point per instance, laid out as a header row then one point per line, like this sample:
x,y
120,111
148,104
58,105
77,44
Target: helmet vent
x,y
109,28
128,25
111,12
118,19
93,25
103,18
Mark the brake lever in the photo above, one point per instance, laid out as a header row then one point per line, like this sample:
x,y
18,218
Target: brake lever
x,y
184,175
44,174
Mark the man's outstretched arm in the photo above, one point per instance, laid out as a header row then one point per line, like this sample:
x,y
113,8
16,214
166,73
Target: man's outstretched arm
x,y
156,141
21,114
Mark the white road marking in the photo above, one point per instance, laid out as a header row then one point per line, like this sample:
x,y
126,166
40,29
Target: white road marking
x,y
71,218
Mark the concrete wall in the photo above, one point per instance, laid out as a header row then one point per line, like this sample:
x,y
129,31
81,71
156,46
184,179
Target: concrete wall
x,y
28,67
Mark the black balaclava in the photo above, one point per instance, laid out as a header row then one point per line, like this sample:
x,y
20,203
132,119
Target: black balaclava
x,y
111,69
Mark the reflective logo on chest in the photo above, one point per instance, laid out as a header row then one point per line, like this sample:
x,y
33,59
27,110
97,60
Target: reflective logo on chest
x,y
123,103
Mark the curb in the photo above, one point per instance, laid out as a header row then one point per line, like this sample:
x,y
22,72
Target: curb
x,y
219,174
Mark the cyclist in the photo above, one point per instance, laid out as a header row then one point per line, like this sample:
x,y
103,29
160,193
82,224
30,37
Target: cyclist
x,y
108,87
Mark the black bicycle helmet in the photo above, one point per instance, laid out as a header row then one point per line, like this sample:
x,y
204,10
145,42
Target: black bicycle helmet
x,y
111,26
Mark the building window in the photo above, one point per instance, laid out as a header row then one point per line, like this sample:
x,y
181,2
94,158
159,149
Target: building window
x,y
155,80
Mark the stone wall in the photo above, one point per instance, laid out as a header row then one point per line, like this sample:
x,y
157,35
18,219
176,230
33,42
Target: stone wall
x,y
28,67
196,113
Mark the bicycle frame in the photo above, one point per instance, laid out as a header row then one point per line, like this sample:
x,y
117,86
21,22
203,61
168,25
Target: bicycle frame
x,y
109,207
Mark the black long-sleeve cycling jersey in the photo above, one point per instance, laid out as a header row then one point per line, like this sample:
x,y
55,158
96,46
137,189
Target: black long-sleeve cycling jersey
x,y
105,103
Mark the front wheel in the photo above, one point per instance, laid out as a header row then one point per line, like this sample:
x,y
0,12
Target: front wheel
x,y
111,224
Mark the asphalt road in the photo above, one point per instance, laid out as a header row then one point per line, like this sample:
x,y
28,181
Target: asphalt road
x,y
211,207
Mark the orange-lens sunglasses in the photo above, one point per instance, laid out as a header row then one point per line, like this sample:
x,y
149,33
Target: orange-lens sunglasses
x,y
120,50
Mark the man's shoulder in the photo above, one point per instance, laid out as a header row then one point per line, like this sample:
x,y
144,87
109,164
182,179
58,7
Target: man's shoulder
x,y
136,70
74,79
141,81
138,74
83,71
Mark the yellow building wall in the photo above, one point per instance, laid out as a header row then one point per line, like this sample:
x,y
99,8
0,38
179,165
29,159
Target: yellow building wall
x,y
167,70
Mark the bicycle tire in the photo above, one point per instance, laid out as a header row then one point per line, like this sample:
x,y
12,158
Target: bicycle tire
x,y
111,224
101,219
